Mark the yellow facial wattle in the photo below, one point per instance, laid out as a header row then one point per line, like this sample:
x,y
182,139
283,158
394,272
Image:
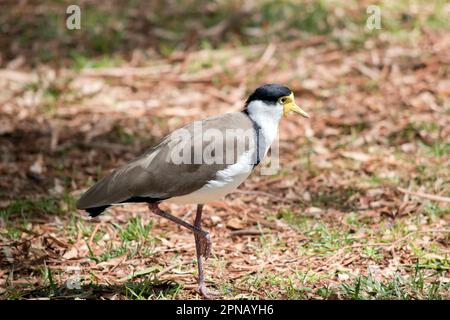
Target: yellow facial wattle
x,y
289,105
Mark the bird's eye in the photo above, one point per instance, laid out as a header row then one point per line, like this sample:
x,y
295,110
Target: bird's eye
x,y
283,100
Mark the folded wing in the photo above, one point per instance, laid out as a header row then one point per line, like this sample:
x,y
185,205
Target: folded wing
x,y
154,176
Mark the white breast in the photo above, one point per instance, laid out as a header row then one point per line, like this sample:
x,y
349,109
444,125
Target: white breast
x,y
267,117
226,181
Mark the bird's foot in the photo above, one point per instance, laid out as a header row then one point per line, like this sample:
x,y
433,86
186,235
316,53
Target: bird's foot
x,y
205,293
205,245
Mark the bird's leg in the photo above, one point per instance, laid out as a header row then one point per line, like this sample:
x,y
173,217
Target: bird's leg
x,y
198,245
203,236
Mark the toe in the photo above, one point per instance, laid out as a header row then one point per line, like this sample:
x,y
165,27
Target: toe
x,y
206,294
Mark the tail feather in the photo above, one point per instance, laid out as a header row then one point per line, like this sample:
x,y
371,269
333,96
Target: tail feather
x,y
123,185
102,195
95,211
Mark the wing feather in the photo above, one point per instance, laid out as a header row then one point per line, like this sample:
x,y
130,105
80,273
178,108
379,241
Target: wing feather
x,y
153,176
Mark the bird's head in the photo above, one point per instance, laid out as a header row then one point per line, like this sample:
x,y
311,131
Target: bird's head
x,y
273,98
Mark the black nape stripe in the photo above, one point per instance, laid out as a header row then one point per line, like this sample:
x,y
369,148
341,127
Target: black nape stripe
x,y
259,149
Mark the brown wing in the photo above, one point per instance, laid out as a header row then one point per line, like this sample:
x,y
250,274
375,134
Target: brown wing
x,y
154,175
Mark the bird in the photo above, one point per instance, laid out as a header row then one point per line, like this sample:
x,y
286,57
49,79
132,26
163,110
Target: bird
x,y
196,164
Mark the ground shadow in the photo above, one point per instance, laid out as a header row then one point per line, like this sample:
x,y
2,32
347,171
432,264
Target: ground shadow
x,y
30,163
38,32
145,289
342,198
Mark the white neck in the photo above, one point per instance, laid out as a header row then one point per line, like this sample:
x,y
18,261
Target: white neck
x,y
267,117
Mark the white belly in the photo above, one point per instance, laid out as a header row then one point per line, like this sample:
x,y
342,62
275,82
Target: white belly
x,y
226,181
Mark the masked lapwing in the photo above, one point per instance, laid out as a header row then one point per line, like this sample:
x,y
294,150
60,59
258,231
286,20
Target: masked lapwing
x,y
197,164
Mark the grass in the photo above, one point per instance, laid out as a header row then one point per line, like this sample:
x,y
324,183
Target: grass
x,y
81,61
305,285
148,288
424,279
398,288
361,287
21,211
113,253
136,230
436,211
117,28
440,149
152,289
26,207
420,280
136,240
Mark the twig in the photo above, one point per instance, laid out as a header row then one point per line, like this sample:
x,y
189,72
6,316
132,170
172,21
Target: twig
x,y
420,231
187,215
265,194
173,266
118,264
248,232
91,238
387,244
265,58
425,195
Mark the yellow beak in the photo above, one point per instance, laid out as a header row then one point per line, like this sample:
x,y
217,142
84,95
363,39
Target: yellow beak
x,y
289,105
